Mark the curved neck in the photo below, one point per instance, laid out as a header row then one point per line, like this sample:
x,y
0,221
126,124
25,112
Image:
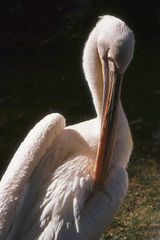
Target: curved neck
x,y
93,72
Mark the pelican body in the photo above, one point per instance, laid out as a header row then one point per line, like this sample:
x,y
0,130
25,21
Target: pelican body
x,y
68,182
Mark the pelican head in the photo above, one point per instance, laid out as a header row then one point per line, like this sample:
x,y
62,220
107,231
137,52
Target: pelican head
x,y
107,54
115,42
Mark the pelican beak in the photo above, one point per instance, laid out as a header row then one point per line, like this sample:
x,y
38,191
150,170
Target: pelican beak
x,y
112,81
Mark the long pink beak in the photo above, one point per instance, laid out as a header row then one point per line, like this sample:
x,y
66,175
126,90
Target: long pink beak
x,y
112,81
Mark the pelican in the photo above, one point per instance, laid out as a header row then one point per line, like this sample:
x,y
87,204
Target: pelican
x,y
67,183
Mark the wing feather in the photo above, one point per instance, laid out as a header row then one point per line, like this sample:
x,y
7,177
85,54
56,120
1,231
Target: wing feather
x,y
23,164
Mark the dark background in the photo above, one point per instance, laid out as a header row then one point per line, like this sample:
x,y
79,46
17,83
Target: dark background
x,y
29,20
41,44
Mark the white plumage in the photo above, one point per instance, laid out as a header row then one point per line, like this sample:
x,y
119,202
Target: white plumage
x,y
48,190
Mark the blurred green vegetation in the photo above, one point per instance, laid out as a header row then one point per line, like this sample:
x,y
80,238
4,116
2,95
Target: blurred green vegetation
x,y
139,218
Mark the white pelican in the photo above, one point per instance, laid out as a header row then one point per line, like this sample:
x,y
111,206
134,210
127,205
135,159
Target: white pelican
x,y
56,186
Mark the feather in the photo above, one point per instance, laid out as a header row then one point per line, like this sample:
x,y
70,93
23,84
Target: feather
x,y
76,213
